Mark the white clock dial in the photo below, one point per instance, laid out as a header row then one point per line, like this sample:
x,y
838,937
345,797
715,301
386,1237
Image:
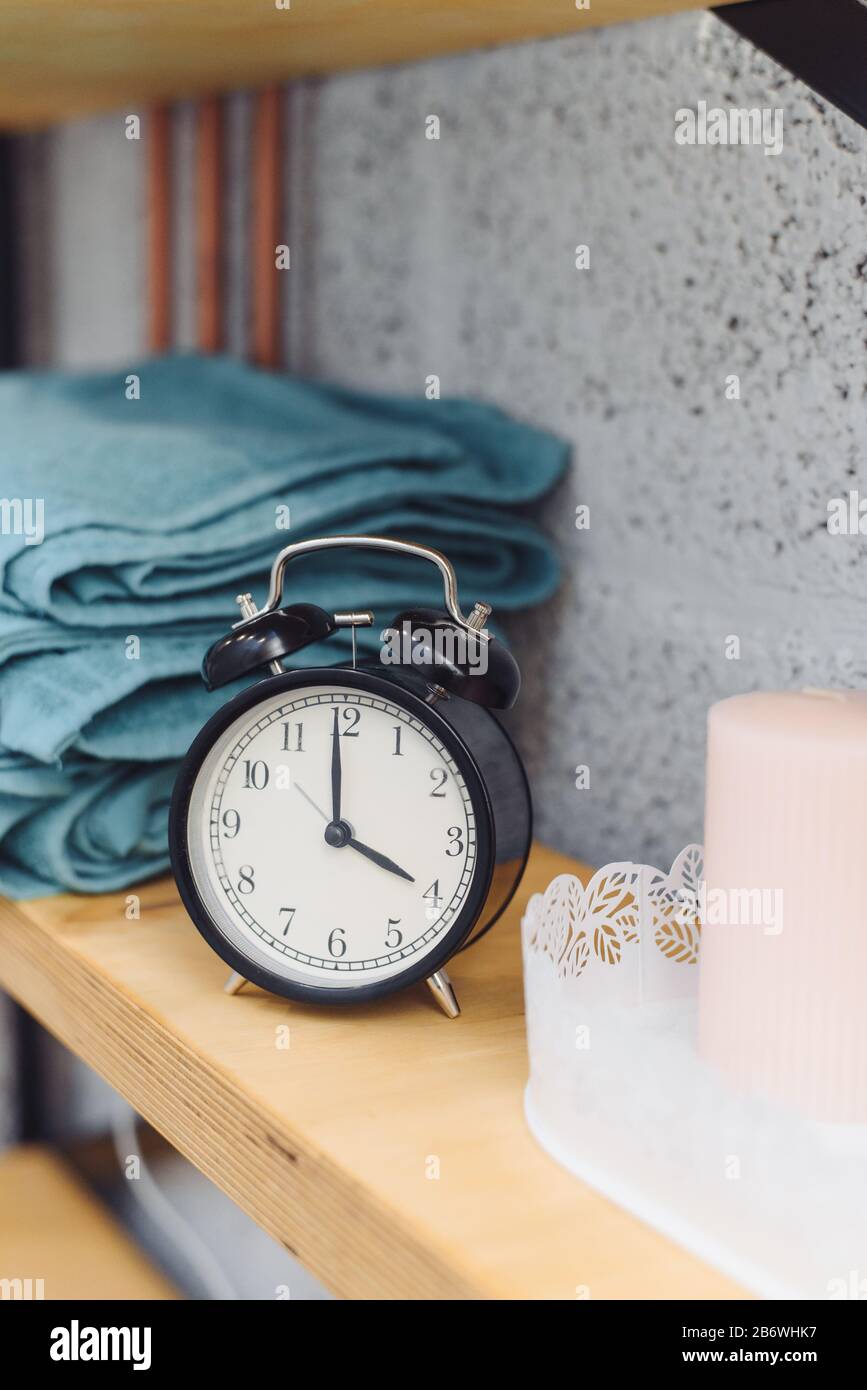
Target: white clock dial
x,y
334,896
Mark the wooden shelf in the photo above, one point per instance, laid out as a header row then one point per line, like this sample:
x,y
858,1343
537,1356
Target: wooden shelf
x,y
327,1144
55,1231
60,59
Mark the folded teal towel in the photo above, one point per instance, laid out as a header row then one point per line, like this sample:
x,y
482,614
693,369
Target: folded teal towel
x,y
145,517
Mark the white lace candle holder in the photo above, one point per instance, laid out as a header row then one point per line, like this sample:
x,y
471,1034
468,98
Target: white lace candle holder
x,y
619,1095
610,981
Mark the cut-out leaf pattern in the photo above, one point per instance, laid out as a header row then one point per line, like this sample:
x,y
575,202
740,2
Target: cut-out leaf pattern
x,y
687,871
569,917
572,924
678,941
580,955
606,944
674,906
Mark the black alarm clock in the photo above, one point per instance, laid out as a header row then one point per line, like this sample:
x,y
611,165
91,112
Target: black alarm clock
x,y
339,832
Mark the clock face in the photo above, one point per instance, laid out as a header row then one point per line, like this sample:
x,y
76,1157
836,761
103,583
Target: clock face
x,y
332,837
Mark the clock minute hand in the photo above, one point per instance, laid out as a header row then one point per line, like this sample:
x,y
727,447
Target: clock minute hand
x,y
382,860
336,771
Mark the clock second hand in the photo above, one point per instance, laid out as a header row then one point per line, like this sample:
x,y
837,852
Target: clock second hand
x,y
309,799
340,839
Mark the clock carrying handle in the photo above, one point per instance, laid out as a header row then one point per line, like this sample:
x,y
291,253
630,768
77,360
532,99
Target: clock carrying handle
x,y
265,636
474,624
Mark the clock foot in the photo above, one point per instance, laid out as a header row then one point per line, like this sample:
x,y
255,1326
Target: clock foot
x,y
443,992
235,983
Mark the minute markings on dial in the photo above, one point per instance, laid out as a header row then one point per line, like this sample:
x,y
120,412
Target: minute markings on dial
x,y
303,948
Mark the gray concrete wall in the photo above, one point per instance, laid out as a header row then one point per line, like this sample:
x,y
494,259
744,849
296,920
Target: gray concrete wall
x,y
707,514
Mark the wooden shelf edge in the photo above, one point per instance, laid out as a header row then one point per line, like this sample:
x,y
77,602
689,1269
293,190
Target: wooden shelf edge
x,y
59,61
215,1126
327,1145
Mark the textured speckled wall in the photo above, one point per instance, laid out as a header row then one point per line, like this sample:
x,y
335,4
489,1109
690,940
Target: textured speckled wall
x,y
707,514
456,257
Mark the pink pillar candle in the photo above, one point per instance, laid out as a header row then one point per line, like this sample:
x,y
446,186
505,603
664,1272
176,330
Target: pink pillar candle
x,y
783,970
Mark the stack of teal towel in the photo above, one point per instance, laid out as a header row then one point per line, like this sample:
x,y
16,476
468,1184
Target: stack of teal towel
x,y
130,524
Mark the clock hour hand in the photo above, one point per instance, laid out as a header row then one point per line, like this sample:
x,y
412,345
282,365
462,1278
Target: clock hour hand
x,y
336,771
338,834
381,859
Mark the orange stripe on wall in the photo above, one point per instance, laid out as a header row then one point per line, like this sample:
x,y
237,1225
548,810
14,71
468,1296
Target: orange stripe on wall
x,y
267,219
159,184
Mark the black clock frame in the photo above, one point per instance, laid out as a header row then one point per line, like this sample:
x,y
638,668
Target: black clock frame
x,y
386,687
